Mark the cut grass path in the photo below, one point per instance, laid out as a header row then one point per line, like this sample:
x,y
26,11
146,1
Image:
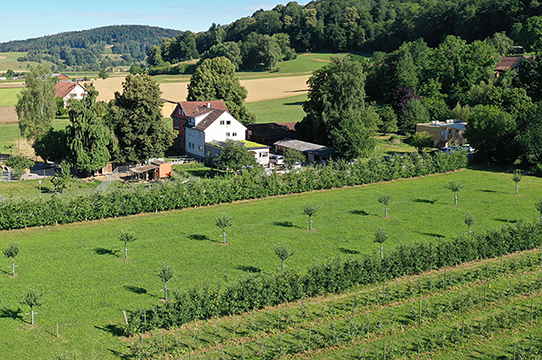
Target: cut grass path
x,y
86,282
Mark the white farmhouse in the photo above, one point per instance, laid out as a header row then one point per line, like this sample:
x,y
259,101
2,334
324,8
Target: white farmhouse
x,y
211,124
69,90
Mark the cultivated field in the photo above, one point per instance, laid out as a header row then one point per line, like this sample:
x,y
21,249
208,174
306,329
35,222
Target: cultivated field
x,y
87,283
8,96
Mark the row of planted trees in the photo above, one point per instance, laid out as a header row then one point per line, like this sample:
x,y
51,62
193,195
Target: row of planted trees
x,y
249,185
337,275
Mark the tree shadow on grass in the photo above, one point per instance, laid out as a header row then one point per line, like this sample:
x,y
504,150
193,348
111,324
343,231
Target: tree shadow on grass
x,y
506,221
348,251
136,289
12,314
296,103
425,201
249,269
488,191
200,237
435,235
286,224
115,330
104,251
359,212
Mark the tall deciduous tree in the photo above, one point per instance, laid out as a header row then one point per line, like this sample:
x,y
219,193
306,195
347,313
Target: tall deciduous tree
x,y
215,79
336,111
136,120
36,104
88,137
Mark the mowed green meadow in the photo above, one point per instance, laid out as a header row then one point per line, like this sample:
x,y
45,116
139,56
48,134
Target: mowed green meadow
x,y
86,282
8,96
278,110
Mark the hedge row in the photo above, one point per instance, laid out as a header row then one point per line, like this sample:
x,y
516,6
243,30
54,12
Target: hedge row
x,y
338,275
251,184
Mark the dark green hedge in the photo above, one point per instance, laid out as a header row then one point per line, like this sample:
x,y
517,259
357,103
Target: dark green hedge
x,y
338,275
252,184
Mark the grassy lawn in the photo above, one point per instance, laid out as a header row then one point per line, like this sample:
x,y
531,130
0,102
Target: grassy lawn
x,y
86,282
8,136
8,97
278,110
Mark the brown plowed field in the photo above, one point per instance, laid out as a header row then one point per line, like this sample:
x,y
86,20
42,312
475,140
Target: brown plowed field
x,y
8,115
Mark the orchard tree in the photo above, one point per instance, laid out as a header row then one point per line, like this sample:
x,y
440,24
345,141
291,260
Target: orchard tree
x,y
36,103
421,140
215,79
223,222
165,272
135,117
32,298
381,235
309,210
283,252
88,137
454,186
126,236
384,199
235,156
336,114
516,178
468,219
11,251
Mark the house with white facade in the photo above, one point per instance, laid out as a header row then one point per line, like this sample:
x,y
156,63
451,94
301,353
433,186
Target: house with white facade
x,y
211,124
70,90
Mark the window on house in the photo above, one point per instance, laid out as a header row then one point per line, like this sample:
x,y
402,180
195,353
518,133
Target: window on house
x,y
228,122
227,134
200,148
221,122
176,126
234,134
264,154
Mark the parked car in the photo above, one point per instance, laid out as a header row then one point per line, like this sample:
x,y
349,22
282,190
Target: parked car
x,y
276,160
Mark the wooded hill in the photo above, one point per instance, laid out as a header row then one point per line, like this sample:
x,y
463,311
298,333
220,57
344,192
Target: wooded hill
x,y
86,47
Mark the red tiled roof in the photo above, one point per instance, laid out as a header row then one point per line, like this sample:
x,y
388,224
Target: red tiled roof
x,y
209,119
193,108
508,62
63,88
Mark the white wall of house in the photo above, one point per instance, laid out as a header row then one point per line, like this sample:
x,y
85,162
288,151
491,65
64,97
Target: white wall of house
x,y
223,128
77,93
261,155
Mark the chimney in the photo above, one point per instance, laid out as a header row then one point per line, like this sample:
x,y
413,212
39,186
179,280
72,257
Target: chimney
x,y
209,105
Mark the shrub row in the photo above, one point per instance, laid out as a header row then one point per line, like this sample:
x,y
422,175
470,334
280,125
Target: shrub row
x,y
251,184
338,275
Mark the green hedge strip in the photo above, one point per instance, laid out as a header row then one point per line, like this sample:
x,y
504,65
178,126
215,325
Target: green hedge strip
x,y
249,185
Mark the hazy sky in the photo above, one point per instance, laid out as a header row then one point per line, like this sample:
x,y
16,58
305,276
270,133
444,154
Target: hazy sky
x,y
26,19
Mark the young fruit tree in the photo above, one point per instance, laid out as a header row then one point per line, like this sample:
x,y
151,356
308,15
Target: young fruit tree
x,y
384,199
469,221
10,252
381,235
309,210
222,222
32,298
538,206
165,272
454,186
126,236
516,177
283,252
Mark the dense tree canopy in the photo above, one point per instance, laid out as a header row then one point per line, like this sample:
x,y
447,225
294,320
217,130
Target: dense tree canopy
x,y
336,114
136,120
36,104
215,79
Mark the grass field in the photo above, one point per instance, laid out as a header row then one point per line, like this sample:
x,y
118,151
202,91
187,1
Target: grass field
x,y
86,283
8,97
278,110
